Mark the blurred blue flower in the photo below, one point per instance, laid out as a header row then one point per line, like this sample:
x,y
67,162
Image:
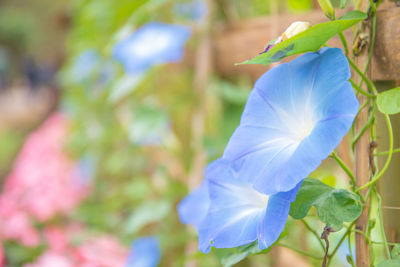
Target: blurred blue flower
x,y
237,214
145,252
297,113
84,66
154,43
194,10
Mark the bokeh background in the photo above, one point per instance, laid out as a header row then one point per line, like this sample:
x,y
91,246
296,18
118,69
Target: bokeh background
x,y
92,159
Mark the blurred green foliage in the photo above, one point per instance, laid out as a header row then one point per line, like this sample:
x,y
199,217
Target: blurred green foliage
x,y
137,184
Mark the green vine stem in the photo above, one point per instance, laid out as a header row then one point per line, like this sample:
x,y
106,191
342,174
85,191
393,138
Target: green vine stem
x,y
330,256
370,84
371,48
383,153
358,89
346,169
370,121
302,252
350,249
314,233
389,158
381,226
344,42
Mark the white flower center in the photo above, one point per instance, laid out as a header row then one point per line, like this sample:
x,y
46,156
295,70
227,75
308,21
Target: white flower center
x,y
247,195
299,125
303,129
254,198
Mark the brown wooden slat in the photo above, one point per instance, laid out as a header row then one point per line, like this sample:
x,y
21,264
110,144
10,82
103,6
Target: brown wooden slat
x,y
243,40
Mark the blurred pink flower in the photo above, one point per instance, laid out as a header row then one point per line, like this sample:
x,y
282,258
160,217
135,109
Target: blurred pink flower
x,y
104,251
52,259
17,226
43,183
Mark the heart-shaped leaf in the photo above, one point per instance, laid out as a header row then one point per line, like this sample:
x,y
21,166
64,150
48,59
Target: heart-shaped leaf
x,y
230,256
309,40
389,263
334,206
389,101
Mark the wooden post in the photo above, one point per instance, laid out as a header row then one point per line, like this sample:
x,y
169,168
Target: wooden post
x,y
361,149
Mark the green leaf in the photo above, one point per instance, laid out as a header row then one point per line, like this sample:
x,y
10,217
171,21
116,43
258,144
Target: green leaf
x,y
147,213
308,41
389,101
389,263
149,126
232,93
328,9
124,86
231,256
334,206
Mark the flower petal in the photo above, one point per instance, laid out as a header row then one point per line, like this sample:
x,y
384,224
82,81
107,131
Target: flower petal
x,y
238,214
193,208
234,214
275,217
295,116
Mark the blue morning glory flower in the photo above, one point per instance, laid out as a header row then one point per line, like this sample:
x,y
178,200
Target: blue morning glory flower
x,y
295,116
236,213
145,252
154,43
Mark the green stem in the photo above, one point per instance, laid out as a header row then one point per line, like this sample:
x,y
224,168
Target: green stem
x,y
371,48
371,3
317,236
381,243
344,43
383,153
350,249
382,229
305,253
346,169
389,158
362,106
367,124
362,233
340,242
358,89
370,85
